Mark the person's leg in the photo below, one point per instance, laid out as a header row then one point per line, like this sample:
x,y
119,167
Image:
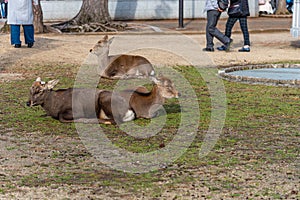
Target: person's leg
x,y
209,36
15,35
5,9
244,28
29,34
214,31
2,10
229,25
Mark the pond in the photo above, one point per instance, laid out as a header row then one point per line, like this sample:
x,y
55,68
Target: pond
x,y
269,74
272,73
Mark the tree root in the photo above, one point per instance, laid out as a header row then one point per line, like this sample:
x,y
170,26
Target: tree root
x,y
72,26
5,28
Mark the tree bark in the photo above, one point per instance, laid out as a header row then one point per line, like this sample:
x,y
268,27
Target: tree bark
x,y
38,18
92,17
93,11
281,9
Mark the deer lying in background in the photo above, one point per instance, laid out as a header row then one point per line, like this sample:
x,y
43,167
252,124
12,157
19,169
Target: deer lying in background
x,y
120,66
144,103
92,106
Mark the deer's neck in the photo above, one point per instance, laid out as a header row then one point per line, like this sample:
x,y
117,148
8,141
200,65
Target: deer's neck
x,y
156,96
49,102
104,59
47,99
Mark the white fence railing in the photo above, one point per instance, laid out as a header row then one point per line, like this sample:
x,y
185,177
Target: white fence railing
x,y
295,30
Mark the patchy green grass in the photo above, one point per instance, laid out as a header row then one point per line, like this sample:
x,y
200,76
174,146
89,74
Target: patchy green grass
x,y
261,128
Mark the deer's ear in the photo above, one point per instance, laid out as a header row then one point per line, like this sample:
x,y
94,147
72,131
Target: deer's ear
x,y
110,40
39,81
50,85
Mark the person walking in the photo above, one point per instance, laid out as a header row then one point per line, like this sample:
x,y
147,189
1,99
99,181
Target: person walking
x,y
5,7
243,24
20,12
3,4
213,15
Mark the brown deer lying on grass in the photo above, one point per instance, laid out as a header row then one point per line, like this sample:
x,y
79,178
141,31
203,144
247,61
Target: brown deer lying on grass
x,y
91,106
144,103
120,66
95,106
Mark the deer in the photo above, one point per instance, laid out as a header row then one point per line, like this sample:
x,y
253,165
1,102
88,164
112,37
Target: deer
x,y
91,105
145,104
120,66
96,106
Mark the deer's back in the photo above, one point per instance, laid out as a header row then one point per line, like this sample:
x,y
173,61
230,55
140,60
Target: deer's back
x,y
64,100
141,100
130,65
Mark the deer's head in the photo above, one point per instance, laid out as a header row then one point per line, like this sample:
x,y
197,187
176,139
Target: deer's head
x,y
102,46
166,87
38,91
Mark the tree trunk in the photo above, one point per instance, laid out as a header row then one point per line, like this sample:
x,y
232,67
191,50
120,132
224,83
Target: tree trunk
x,y
38,18
5,28
93,11
281,9
92,17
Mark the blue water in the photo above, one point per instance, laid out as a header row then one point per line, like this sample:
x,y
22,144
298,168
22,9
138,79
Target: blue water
x,y
270,73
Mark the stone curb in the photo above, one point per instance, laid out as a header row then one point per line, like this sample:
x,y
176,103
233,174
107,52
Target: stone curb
x,y
224,74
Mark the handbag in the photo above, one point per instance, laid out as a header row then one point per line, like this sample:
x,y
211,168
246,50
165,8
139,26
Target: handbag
x,y
235,10
223,4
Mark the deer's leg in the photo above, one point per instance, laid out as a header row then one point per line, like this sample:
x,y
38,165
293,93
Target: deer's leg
x,y
106,121
91,121
87,121
65,118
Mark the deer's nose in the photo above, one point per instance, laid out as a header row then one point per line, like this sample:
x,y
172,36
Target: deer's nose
x,y
28,103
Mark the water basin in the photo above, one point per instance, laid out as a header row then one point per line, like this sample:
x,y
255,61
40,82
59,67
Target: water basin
x,y
269,74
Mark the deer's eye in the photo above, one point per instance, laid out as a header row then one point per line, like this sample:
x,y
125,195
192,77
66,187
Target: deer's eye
x,y
37,92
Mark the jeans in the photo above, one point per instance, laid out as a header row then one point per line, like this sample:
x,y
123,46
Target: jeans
x,y
212,31
3,10
15,34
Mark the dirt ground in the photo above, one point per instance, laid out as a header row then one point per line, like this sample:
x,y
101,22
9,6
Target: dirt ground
x,y
74,49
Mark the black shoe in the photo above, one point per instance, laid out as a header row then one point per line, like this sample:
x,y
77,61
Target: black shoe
x,y
228,44
17,45
208,49
244,49
29,45
221,48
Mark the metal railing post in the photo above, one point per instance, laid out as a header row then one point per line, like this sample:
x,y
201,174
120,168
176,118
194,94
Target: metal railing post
x,y
295,30
180,18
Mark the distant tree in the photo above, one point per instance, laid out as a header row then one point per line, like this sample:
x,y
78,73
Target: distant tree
x,y
92,17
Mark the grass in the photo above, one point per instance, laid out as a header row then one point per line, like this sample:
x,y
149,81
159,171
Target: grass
x,y
261,126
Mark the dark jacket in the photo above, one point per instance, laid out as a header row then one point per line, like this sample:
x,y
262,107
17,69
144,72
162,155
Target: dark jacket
x,y
223,4
245,6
